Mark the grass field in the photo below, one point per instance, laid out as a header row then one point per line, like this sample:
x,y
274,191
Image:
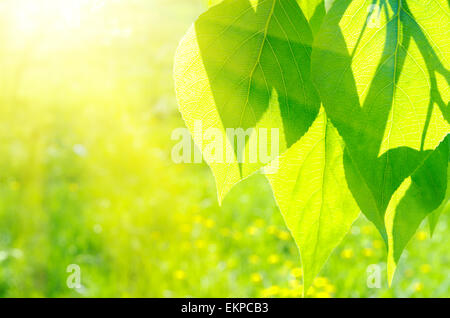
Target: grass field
x,y
87,110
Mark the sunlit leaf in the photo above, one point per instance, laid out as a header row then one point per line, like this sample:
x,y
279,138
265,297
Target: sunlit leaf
x,y
246,64
415,199
312,193
381,70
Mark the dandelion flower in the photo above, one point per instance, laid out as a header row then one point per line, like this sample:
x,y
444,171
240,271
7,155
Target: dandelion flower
x,y
368,252
366,230
272,229
200,244
297,293
198,219
284,236
347,253
252,230
311,291
422,235
418,287
377,244
209,223
329,288
273,259
295,284
256,278
425,268
320,282
285,292
297,272
322,294
271,291
180,275
185,228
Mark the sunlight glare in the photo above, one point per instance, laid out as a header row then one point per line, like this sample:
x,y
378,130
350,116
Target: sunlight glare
x,y
60,14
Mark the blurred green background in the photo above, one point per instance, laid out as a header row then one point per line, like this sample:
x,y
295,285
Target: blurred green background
x,y
87,108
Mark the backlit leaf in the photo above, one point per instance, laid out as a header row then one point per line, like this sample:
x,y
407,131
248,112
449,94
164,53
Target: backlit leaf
x,y
381,69
246,64
312,194
416,198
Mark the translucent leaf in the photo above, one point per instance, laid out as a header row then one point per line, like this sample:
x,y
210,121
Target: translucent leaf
x,y
381,69
312,194
415,199
246,64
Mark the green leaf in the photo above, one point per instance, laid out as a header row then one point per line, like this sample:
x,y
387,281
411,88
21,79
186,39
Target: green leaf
x,y
312,194
246,64
433,218
415,199
382,74
389,218
315,11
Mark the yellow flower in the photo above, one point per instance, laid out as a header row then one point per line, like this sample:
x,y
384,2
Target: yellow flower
x,y
209,223
254,259
271,291
198,219
252,230
285,292
297,272
256,278
272,229
418,287
320,282
273,259
425,268
422,235
185,228
368,252
180,275
347,253
330,289
377,244
200,244
297,293
366,230
311,291
322,295
284,236
294,284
